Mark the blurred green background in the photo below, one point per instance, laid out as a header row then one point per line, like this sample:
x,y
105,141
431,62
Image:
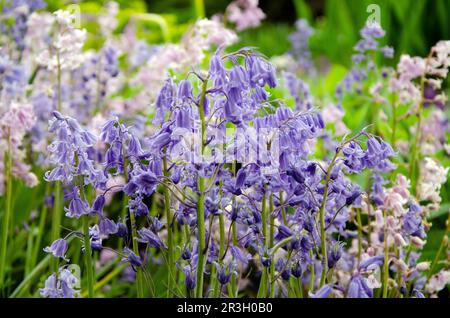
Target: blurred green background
x,y
412,26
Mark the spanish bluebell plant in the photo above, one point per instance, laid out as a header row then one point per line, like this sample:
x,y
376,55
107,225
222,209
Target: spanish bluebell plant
x,y
190,169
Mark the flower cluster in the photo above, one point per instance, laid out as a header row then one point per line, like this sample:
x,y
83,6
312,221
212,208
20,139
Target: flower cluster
x,y
245,14
187,169
65,51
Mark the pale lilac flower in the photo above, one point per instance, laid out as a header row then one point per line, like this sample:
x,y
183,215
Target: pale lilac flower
x,y
63,284
432,176
245,14
438,281
67,44
58,249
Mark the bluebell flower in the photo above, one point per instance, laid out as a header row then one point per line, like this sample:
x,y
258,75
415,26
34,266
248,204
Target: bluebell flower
x,y
95,238
186,255
138,207
224,272
371,263
61,285
412,221
58,248
107,227
184,90
335,253
164,101
300,46
358,288
283,269
98,204
150,238
122,230
323,292
132,258
77,208
189,277
296,268
239,255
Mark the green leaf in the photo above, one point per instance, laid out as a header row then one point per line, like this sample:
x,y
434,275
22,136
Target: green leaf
x,y
443,210
303,10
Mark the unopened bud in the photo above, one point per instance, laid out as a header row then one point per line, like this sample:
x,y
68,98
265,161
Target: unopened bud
x,y
399,240
423,266
417,242
401,265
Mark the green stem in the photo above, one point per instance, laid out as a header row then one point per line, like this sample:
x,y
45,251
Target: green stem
x,y
234,281
360,233
413,168
444,242
280,244
58,202
394,120
135,245
37,243
199,6
386,258
201,202
283,211
299,287
216,291
322,222
312,276
171,264
139,277
263,282
117,270
88,258
59,83
271,238
7,214
30,277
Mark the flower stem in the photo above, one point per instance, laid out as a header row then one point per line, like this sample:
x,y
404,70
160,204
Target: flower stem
x,y
139,277
444,242
171,265
271,237
88,257
386,258
201,202
264,278
322,222
37,243
221,244
199,6
394,120
312,276
360,233
135,246
58,202
7,214
216,289
413,168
